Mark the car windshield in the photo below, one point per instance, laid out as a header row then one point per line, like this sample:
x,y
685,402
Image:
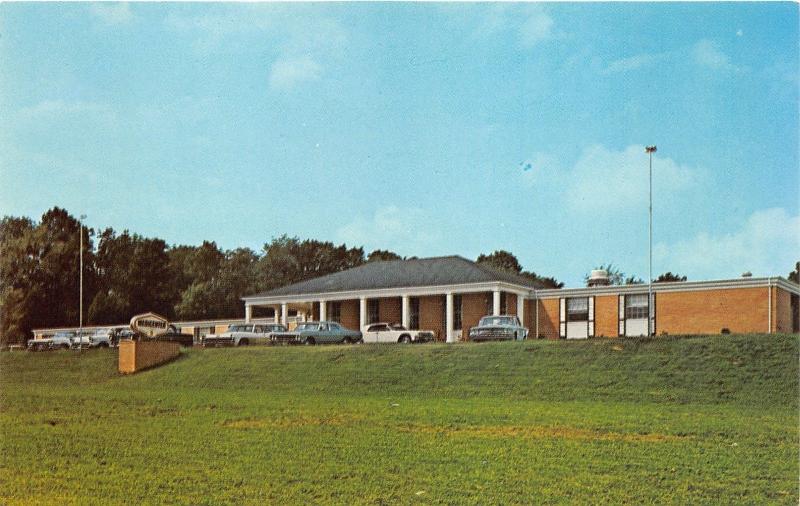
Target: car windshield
x,y
63,334
238,328
497,320
307,326
397,326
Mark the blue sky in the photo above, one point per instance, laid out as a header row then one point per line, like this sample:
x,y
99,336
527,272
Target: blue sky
x,y
428,129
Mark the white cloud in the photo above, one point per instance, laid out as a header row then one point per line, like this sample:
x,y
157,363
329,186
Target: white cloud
x,y
767,244
286,73
633,62
401,230
605,180
538,27
707,53
112,13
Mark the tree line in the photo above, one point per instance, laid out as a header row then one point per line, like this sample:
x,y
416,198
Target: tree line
x,y
126,273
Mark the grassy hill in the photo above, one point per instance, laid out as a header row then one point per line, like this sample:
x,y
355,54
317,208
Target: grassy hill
x,y
678,420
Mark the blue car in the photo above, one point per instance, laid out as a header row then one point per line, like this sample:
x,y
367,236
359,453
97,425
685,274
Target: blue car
x,y
318,333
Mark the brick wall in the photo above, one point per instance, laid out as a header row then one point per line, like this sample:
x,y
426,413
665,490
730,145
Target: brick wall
x,y
431,309
708,311
511,304
390,309
473,308
781,311
606,316
135,356
548,318
350,314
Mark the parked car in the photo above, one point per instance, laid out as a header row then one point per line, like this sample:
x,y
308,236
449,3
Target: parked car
x,y
243,334
318,333
395,333
59,340
498,328
92,339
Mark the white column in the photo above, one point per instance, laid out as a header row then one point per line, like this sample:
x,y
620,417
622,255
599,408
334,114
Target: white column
x,y
277,317
284,313
362,313
521,308
323,310
451,337
406,311
496,302
248,313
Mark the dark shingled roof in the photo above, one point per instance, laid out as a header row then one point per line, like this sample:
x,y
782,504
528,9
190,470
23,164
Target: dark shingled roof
x,y
450,270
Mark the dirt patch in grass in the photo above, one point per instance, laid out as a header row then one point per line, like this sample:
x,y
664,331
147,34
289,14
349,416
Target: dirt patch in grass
x,y
539,432
290,422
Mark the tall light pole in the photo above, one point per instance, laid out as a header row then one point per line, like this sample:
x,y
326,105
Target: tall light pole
x,y
80,303
650,150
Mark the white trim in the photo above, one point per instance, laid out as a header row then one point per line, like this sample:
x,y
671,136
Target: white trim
x,y
405,311
362,313
679,286
449,318
413,291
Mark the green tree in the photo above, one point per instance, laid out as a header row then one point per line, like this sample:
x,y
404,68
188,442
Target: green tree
x,y
795,274
134,277
502,260
39,273
669,277
380,254
288,260
506,261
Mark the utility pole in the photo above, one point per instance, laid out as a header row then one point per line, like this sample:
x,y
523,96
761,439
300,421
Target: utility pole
x,y
80,303
650,150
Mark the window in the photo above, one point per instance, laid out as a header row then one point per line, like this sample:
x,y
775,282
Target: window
x,y
334,326
414,316
457,312
335,312
578,309
378,328
373,310
636,306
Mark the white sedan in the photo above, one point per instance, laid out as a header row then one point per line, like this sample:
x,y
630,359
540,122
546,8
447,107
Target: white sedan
x,y
395,333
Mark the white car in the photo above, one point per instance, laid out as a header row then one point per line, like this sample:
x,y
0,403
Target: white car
x,y
91,339
395,333
243,334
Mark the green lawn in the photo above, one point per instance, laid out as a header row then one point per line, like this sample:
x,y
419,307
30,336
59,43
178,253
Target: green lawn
x,y
692,420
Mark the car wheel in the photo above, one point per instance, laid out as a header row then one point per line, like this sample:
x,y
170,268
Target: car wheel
x,y
64,346
103,345
405,339
309,342
347,340
243,342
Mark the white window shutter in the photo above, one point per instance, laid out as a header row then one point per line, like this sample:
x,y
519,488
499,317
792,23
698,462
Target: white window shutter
x,y
591,316
562,318
621,315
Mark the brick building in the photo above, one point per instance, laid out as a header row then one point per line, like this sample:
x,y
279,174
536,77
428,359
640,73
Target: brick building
x,y
449,295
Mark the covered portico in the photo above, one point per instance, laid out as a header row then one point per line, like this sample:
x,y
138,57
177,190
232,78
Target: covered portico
x,y
364,295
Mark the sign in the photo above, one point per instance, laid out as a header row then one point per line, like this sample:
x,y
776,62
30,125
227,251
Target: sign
x,y
150,324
